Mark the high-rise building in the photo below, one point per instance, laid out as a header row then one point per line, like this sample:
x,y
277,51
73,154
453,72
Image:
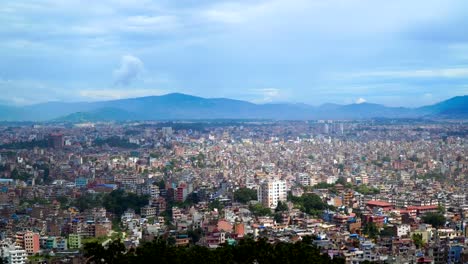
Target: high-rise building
x,y
271,192
31,242
56,140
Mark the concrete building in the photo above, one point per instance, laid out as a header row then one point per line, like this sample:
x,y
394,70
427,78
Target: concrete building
x,y
74,241
12,254
271,192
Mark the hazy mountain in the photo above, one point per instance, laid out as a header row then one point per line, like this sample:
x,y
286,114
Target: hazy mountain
x,y
456,107
182,106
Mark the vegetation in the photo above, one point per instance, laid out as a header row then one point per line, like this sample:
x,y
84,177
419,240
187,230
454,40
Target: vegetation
x,y
366,190
371,230
259,210
432,175
119,201
309,203
88,201
247,251
417,240
245,195
435,219
115,142
26,144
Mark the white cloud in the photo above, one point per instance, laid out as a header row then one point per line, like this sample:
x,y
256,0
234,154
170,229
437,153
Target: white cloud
x,y
113,94
418,73
267,95
129,70
360,100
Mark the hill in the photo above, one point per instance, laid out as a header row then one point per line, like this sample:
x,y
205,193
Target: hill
x,y
177,106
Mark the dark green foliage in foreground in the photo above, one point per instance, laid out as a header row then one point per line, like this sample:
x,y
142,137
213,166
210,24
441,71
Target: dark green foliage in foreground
x,y
247,251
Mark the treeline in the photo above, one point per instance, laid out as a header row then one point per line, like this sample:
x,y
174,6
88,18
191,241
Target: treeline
x,y
26,144
115,142
246,251
309,203
116,202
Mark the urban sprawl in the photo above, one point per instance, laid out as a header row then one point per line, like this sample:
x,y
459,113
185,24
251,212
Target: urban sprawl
x,y
377,191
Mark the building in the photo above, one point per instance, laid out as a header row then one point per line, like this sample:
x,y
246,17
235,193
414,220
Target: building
x,y
56,141
12,254
271,192
31,242
74,241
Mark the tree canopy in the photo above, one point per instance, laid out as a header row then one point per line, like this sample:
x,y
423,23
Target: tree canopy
x,y
244,195
435,219
246,251
119,201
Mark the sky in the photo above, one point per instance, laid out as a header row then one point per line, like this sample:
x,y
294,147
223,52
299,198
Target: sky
x,y
396,53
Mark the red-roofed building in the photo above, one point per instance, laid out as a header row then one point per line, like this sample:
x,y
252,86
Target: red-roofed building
x,y
421,210
380,204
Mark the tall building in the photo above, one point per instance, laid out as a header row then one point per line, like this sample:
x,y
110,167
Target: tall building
x,y
31,242
271,192
56,140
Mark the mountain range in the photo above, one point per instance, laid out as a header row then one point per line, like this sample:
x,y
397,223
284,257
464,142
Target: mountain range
x,y
177,106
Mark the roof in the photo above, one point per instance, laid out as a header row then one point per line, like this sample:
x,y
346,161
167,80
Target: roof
x,y
378,203
425,207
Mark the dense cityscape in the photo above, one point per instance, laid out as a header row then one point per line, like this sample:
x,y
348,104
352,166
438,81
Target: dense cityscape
x,y
376,191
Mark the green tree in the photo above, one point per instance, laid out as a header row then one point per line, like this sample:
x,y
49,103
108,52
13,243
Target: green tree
x,y
245,195
118,201
281,207
437,220
259,210
371,230
417,240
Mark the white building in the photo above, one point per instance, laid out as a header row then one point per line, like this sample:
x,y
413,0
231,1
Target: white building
x,y
12,254
303,179
271,192
403,230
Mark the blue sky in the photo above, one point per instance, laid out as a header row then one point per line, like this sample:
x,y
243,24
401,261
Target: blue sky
x,y
397,53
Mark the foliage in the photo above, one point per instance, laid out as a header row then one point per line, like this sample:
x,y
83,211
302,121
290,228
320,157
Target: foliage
x,y
115,142
309,203
281,207
366,190
246,251
417,240
435,219
118,201
323,185
432,175
88,201
216,204
245,195
371,230
26,144
259,210
20,175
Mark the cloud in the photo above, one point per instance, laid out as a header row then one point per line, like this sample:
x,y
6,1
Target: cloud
x,y
267,95
113,94
418,73
129,70
360,100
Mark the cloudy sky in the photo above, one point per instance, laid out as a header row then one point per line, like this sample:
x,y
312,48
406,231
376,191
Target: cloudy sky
x,y
398,53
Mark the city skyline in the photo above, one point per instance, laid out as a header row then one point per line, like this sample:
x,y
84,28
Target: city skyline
x,y
391,53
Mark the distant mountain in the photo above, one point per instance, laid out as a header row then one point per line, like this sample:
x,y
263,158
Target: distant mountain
x,y
177,106
456,108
